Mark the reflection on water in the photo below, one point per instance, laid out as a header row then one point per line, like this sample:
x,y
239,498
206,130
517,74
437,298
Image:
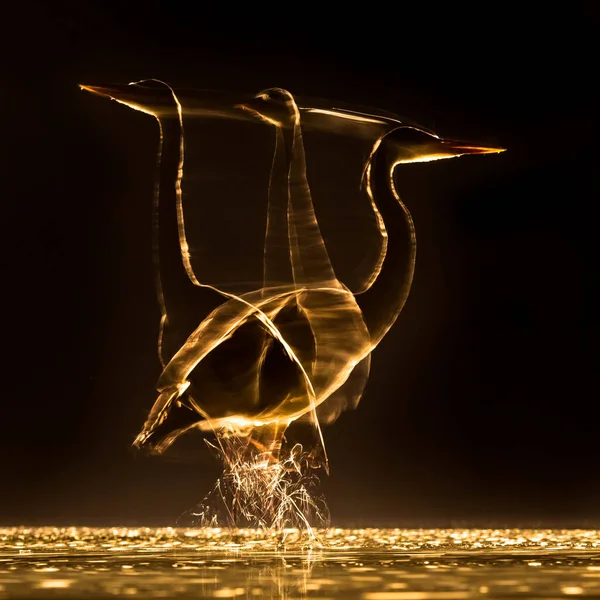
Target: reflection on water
x,y
367,564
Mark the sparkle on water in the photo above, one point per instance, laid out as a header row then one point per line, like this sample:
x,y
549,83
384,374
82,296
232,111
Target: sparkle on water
x,y
366,564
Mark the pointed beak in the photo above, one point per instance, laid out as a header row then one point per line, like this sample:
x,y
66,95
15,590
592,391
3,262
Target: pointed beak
x,y
119,92
438,149
455,148
101,90
155,101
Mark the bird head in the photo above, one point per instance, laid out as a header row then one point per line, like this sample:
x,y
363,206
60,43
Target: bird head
x,y
275,106
409,144
150,96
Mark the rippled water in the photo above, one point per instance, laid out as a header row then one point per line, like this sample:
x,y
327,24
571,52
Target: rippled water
x,y
367,564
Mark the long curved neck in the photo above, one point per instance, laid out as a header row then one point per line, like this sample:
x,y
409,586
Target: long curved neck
x,y
382,302
172,279
310,260
277,268
291,217
182,303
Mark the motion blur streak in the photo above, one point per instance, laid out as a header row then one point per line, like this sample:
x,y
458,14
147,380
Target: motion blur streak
x,y
245,359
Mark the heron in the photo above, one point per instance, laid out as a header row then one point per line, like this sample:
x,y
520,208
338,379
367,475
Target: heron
x,y
306,337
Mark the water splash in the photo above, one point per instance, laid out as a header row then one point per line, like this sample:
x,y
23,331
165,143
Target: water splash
x,y
262,490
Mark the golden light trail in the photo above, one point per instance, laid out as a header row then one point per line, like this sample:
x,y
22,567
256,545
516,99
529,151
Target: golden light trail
x,y
296,347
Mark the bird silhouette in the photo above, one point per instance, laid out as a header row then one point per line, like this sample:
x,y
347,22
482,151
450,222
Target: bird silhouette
x,y
300,345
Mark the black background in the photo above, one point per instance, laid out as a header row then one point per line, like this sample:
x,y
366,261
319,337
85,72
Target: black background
x,y
482,403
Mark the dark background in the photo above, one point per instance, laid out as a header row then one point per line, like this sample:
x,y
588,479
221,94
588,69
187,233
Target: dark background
x,y
482,404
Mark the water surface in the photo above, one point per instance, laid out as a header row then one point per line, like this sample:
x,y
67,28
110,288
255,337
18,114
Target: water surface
x,y
366,564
